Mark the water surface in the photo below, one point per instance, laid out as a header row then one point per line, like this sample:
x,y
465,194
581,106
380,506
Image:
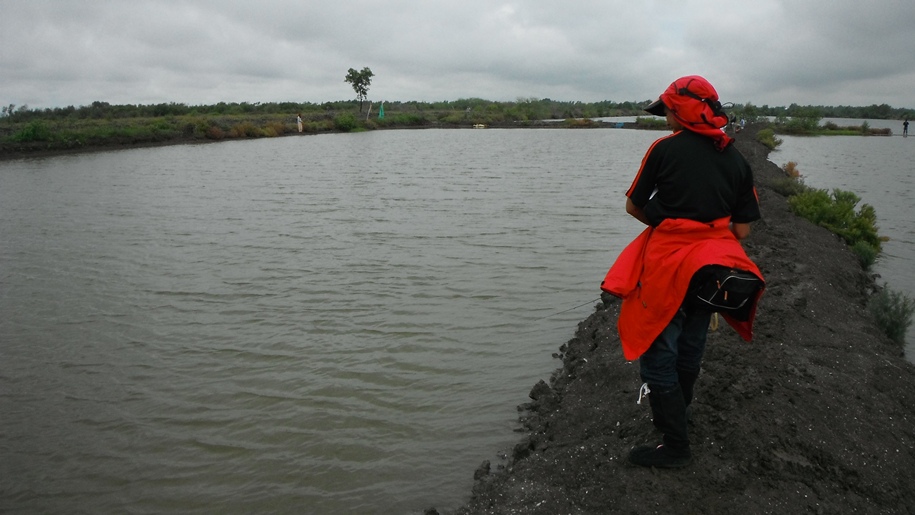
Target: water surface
x,y
341,323
323,324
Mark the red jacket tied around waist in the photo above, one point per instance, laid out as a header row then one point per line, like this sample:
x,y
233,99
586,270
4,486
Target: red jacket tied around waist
x,y
653,272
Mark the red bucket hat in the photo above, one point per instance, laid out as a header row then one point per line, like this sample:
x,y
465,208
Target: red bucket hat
x,y
694,103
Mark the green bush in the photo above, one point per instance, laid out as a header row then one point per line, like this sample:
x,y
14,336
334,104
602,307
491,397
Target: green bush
x,y
789,186
34,131
246,130
454,119
767,138
801,125
892,312
836,212
867,253
346,122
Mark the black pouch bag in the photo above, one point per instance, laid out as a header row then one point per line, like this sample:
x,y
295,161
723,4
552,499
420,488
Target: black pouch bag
x,y
722,289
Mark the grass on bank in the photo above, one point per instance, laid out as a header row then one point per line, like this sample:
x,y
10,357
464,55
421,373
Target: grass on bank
x,y
808,122
767,137
78,133
812,127
892,311
103,124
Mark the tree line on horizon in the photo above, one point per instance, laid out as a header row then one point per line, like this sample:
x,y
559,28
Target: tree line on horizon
x,y
521,109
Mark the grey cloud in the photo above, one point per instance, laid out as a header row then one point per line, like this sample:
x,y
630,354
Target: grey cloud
x,y
143,51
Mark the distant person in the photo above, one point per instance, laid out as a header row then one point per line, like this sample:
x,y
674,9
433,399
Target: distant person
x,y
905,129
695,192
298,121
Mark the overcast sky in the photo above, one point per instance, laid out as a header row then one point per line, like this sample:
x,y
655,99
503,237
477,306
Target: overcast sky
x,y
55,53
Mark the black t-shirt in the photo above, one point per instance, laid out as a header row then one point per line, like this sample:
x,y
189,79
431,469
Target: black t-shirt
x,y
684,176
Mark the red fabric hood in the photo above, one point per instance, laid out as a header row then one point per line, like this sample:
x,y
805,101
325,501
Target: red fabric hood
x,y
694,102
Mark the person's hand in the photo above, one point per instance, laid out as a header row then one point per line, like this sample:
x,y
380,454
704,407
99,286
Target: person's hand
x,y
740,231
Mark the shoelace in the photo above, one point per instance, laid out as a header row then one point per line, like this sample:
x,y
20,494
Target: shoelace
x,y
643,392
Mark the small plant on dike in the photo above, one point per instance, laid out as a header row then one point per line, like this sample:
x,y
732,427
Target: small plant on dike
x,y
837,213
892,311
792,183
767,138
346,122
34,131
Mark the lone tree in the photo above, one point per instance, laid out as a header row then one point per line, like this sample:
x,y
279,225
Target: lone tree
x,y
361,82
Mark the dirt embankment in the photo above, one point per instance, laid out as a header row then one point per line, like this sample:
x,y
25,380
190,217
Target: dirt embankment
x,y
814,416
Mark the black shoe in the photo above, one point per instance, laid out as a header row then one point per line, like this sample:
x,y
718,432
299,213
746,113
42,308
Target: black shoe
x,y
661,457
668,409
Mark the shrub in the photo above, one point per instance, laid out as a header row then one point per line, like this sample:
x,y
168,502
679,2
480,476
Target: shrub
x,y
33,131
162,126
767,138
345,122
650,123
246,130
201,125
792,183
867,253
453,119
789,186
580,123
409,119
214,132
892,311
836,212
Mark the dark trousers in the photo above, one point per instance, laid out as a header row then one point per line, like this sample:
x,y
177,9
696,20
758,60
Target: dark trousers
x,y
677,350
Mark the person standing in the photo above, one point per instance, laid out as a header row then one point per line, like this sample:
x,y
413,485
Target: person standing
x,y
695,192
905,128
298,121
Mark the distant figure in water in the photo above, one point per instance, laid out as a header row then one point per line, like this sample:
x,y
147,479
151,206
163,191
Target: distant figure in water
x,y
298,121
905,129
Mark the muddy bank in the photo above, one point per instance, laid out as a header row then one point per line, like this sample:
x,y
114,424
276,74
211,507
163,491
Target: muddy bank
x,y
814,416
